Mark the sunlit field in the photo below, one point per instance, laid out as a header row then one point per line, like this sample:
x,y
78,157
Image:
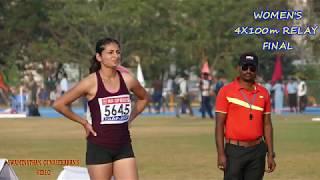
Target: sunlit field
x,y
166,148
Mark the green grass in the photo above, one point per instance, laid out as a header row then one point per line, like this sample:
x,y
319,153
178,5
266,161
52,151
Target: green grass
x,y
165,147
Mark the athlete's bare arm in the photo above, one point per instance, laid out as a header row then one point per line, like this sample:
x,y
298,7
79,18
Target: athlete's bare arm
x,y
142,95
85,87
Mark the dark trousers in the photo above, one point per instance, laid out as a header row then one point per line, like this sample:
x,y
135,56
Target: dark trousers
x,y
183,103
206,106
157,101
293,101
245,163
302,103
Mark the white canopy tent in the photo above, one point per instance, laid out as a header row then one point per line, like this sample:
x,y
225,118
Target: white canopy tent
x,y
75,173
6,172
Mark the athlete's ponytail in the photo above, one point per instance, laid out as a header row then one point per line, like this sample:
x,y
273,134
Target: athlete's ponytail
x,y
95,65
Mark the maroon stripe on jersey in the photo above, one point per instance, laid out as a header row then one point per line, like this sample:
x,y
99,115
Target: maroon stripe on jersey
x,y
111,136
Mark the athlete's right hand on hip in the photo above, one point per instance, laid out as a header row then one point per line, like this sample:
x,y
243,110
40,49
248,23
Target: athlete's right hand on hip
x,y
89,129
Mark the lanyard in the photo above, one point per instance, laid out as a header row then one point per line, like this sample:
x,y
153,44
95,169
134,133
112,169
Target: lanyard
x,y
248,101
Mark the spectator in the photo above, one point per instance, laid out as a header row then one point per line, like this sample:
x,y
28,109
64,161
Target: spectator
x,y
53,96
34,92
183,99
268,86
13,99
219,85
292,88
302,95
205,89
43,97
278,89
169,94
64,85
157,95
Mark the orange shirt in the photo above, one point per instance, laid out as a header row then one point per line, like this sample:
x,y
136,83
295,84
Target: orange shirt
x,y
233,101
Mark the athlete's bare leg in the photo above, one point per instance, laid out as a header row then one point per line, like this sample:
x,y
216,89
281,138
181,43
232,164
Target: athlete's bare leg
x,y
100,171
125,169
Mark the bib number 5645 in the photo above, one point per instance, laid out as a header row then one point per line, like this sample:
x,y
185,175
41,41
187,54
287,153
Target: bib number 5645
x,y
123,109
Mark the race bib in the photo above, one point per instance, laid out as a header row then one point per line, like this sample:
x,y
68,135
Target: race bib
x,y
115,109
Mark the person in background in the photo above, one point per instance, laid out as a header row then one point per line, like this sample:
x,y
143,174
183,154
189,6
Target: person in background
x,y
292,88
218,85
302,95
43,97
205,90
34,92
278,89
169,94
109,149
268,86
157,95
244,132
53,96
64,85
13,99
183,99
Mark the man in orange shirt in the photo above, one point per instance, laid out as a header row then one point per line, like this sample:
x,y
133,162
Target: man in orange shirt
x,y
244,133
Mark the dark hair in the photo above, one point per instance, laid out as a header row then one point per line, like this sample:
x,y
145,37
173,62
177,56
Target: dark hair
x,y
100,45
65,75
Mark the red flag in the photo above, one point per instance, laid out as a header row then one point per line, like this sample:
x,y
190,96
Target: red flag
x,y
2,84
277,71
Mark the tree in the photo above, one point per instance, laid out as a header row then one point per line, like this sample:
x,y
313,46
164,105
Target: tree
x,y
159,32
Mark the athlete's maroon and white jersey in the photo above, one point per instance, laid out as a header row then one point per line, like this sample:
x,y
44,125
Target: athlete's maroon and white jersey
x,y
110,113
